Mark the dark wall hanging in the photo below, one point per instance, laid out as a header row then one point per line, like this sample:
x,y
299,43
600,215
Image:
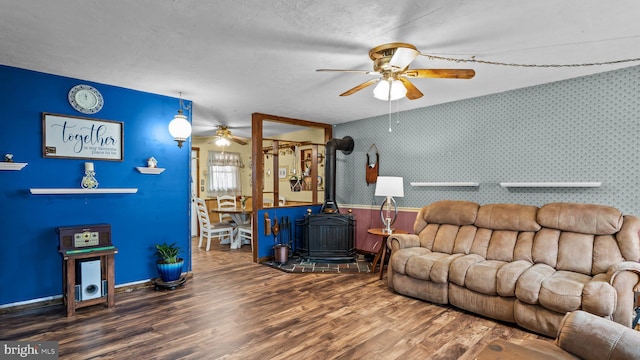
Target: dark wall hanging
x,y
373,167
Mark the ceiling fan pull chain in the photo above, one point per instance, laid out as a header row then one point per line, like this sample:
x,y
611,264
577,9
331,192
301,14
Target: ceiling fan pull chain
x,y
389,101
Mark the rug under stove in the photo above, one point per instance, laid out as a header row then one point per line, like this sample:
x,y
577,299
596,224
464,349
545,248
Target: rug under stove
x,y
297,264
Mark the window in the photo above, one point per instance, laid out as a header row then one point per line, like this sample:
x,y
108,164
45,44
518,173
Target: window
x,y
224,174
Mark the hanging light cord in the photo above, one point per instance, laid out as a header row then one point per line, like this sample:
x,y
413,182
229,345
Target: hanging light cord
x,y
397,113
389,101
474,60
488,62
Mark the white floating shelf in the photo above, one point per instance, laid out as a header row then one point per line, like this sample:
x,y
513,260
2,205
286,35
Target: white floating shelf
x,y
445,184
12,165
552,184
61,191
149,170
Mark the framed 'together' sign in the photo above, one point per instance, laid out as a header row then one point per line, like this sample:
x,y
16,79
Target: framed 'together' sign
x,y
65,136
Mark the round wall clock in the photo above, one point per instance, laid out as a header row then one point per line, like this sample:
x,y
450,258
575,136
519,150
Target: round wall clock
x,y
86,99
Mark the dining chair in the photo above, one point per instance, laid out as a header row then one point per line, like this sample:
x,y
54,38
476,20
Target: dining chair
x,y
226,202
218,230
245,233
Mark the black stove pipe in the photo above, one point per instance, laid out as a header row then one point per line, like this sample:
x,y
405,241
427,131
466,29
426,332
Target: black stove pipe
x,y
346,145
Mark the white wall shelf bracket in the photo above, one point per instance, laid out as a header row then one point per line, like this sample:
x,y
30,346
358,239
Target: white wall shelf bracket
x,y
12,166
446,184
149,170
65,191
591,184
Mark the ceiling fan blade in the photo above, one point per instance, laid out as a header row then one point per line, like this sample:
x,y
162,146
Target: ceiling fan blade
x,y
366,72
359,87
238,140
441,73
402,58
412,91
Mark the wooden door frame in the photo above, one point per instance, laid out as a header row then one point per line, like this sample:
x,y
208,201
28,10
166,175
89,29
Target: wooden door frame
x,y
257,170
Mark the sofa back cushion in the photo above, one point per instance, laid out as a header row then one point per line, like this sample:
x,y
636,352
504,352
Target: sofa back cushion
x,y
501,227
507,217
439,225
446,212
628,240
580,218
564,250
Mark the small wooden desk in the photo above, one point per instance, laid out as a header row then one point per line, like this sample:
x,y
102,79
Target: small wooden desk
x,y
69,279
382,251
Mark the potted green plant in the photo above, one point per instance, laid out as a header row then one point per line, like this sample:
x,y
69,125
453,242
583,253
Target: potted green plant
x,y
169,264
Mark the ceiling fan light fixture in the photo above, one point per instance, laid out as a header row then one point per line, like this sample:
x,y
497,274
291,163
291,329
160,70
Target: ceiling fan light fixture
x,y
222,141
381,91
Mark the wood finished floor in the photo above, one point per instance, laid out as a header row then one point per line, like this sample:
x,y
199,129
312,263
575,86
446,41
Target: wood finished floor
x,y
236,309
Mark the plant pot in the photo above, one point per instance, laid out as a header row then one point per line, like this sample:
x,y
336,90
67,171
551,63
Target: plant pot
x,y
281,253
170,272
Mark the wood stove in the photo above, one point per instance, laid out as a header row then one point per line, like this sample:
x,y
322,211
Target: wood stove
x,y
329,235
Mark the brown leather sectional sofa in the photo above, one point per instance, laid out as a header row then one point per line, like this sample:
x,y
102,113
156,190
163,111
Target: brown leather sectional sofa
x,y
522,264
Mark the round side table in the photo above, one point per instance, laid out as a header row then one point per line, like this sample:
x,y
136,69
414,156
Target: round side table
x,y
382,251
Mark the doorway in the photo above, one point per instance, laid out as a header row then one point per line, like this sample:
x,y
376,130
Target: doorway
x,y
195,188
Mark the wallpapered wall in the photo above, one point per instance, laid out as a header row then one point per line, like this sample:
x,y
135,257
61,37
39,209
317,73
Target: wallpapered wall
x,y
582,129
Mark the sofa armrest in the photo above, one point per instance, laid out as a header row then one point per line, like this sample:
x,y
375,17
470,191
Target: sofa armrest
x,y
401,241
619,268
592,337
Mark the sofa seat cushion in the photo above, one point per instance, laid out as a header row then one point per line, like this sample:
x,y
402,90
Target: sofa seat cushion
x,y
507,277
432,266
400,257
460,266
482,277
529,283
492,277
562,292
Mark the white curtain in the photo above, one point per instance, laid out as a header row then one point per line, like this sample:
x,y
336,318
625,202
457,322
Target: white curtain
x,y
224,174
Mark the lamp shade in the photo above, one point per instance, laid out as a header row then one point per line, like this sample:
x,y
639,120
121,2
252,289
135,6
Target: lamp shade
x,y
389,186
180,128
381,90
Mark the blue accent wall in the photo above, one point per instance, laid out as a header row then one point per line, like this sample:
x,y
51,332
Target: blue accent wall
x,y
265,243
30,266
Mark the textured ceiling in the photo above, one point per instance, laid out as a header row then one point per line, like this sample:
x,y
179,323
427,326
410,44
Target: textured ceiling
x,y
233,58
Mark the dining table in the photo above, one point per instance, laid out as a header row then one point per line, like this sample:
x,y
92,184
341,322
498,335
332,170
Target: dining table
x,y
240,215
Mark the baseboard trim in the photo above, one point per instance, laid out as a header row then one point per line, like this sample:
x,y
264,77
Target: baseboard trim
x,y
57,299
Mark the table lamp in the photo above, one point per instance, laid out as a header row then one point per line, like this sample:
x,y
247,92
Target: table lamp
x,y
389,186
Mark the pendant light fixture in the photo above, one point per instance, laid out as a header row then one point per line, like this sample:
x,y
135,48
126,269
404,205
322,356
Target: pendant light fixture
x,y
179,127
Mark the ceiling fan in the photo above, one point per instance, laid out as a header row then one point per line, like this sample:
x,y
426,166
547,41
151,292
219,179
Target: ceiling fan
x,y
391,61
224,137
